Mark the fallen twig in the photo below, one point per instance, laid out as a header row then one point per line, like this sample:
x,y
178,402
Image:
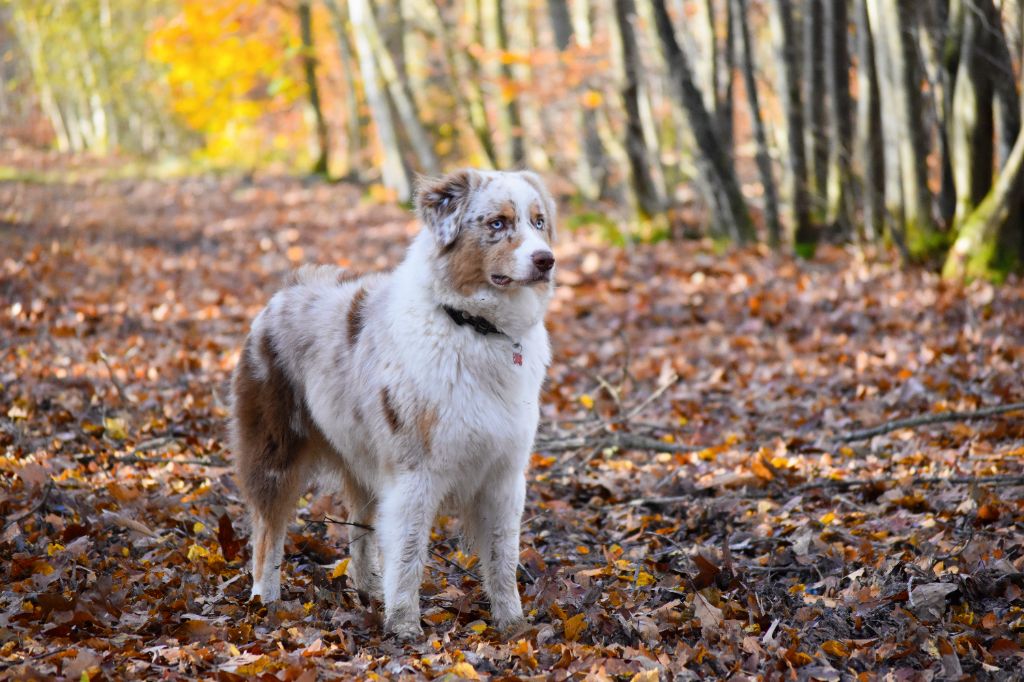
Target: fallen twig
x,y
39,505
922,420
121,391
625,441
833,484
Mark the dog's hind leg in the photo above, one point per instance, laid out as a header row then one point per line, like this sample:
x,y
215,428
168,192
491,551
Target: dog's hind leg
x,y
272,442
406,514
270,517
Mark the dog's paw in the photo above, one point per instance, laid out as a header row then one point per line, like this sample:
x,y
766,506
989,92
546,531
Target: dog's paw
x,y
405,630
369,587
512,628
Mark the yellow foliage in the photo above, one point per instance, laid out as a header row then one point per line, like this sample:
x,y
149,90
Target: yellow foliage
x,y
229,66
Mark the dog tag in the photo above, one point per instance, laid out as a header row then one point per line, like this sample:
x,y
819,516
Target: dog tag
x,y
517,356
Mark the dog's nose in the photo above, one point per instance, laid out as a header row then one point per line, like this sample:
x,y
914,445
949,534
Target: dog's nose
x,y
543,260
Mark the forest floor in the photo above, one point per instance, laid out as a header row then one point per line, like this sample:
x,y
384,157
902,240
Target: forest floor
x,y
700,503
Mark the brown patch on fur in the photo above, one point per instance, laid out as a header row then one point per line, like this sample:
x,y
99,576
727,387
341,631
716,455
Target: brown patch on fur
x,y
537,212
549,202
271,428
506,210
356,316
389,411
345,276
466,265
426,420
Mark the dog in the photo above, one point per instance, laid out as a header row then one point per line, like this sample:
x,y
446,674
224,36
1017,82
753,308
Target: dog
x,y
416,390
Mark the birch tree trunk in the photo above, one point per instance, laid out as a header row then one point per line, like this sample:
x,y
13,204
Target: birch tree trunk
x,y
976,251
730,208
840,175
869,129
815,102
892,23
393,171
353,118
398,88
805,234
764,162
313,91
641,179
590,162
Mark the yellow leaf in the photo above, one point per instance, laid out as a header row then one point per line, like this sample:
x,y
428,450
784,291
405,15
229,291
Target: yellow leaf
x,y
592,99
198,552
464,670
198,527
339,569
645,578
827,518
574,626
683,421
477,626
835,648
587,401
646,676
53,548
115,428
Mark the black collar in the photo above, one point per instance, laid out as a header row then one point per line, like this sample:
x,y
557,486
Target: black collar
x,y
481,325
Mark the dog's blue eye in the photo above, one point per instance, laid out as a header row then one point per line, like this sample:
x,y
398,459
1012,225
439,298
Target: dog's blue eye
x,y
539,223
497,224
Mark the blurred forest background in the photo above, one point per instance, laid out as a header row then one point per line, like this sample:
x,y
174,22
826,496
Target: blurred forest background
x,y
889,121
775,442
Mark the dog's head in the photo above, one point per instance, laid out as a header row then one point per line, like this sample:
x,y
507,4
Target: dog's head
x,y
493,231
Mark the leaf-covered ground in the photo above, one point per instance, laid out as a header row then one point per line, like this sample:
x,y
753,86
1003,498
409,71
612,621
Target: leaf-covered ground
x,y
752,542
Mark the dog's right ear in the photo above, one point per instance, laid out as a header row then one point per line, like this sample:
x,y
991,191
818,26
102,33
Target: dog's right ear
x,y
440,203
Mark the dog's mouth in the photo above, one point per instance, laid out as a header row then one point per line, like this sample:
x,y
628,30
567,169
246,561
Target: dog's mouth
x,y
504,281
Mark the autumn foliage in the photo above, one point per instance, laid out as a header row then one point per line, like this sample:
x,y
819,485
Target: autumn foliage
x,y
700,506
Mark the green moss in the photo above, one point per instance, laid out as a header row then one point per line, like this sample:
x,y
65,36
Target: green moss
x,y
805,250
923,240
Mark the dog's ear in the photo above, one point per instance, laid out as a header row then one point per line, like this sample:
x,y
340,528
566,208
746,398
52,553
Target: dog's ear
x,y
549,202
441,202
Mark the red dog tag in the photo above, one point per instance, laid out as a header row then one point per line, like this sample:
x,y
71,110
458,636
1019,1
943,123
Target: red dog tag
x,y
517,358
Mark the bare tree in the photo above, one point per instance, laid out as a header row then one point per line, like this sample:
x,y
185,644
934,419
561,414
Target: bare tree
x,y
764,162
312,89
805,234
727,200
641,178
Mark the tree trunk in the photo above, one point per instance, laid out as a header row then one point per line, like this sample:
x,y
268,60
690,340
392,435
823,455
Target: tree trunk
x,y
309,68
590,162
353,119
869,129
465,86
730,207
976,251
805,234
840,194
393,171
405,107
641,179
764,162
815,102
971,128
893,24
509,89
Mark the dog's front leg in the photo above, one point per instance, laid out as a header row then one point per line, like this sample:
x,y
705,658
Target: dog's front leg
x,y
498,513
405,516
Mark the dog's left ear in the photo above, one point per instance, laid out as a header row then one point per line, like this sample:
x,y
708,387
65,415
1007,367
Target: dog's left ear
x,y
440,202
549,202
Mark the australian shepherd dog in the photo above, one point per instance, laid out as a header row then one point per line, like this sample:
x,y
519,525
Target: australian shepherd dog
x,y
417,390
